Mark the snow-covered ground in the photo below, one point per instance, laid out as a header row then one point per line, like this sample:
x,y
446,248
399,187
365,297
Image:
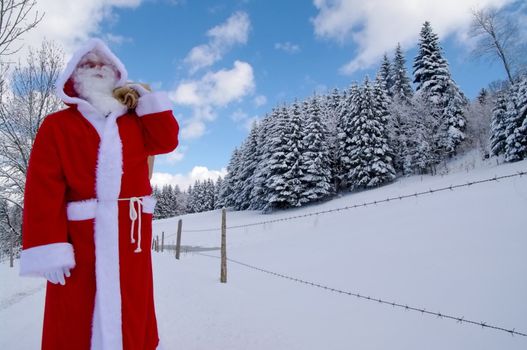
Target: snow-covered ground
x,y
461,252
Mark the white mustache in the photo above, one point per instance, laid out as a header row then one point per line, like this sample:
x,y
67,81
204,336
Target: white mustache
x,y
103,71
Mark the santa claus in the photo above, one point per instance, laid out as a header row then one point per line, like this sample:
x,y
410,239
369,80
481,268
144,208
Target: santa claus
x,y
87,221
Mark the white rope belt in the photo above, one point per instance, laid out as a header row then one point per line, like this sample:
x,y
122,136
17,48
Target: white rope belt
x,y
85,209
133,217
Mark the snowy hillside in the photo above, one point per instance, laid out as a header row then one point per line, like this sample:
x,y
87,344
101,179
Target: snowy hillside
x,y
461,253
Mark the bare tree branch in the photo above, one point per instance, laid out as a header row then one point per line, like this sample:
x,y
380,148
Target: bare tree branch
x,y
15,21
25,102
496,37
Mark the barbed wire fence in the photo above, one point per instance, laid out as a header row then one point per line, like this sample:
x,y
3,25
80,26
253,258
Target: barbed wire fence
x,y
364,204
407,307
423,311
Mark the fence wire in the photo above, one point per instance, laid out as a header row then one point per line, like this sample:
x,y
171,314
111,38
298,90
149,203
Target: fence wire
x,y
365,204
406,307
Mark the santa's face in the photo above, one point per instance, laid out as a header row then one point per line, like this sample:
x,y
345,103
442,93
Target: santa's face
x,y
96,69
94,80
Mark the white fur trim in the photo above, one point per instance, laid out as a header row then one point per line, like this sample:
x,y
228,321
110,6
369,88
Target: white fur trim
x,y
149,204
84,107
82,210
86,209
153,102
107,313
37,260
74,61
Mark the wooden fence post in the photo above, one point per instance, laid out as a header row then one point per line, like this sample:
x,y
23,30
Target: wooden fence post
x,y
157,244
178,242
162,241
223,277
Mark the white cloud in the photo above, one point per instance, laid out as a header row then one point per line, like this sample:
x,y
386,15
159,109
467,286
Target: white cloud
x,y
70,23
185,180
287,47
223,37
175,156
260,100
117,39
243,119
192,129
225,86
239,115
376,26
214,90
234,31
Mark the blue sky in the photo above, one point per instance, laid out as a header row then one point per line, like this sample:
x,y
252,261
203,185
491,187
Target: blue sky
x,y
226,63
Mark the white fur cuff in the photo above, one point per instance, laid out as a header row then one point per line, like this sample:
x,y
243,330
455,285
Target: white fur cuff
x,y
154,102
149,203
82,210
37,260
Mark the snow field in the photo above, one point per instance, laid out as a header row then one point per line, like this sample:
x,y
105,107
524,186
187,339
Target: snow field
x,y
458,252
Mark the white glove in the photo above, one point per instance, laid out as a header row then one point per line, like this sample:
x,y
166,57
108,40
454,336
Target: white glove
x,y
141,90
58,275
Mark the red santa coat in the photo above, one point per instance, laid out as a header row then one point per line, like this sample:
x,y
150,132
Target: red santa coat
x,y
88,206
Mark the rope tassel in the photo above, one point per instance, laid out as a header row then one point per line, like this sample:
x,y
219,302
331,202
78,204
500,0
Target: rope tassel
x,y
135,215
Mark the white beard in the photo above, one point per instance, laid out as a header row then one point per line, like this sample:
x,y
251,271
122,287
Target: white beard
x,y
96,90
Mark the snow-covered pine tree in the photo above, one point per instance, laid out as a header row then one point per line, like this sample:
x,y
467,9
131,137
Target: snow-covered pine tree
x,y
202,196
258,193
453,122
279,190
156,193
227,192
400,110
208,195
483,95
248,165
419,153
370,154
315,165
189,208
179,206
401,88
218,203
193,194
383,87
385,75
293,157
330,118
164,203
349,109
431,73
171,201
516,122
391,125
419,156
397,130
434,82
